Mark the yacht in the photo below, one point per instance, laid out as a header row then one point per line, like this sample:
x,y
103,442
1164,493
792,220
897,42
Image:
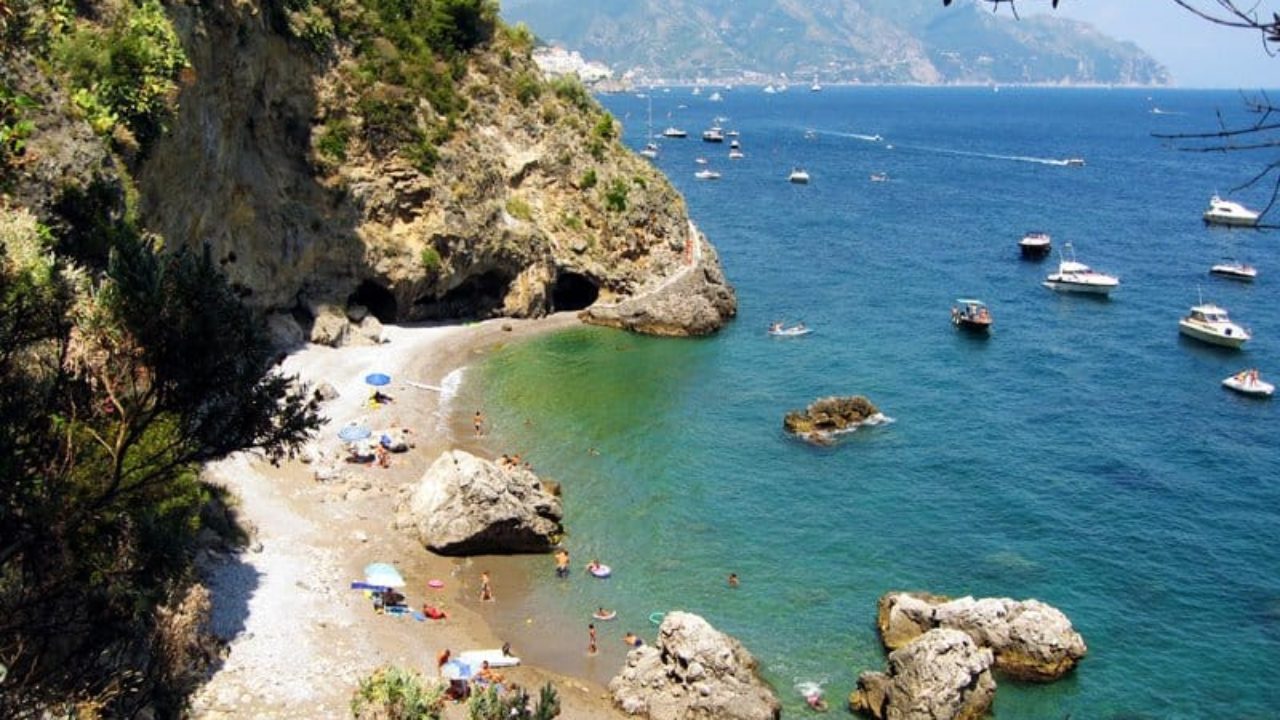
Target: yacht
x,y
1073,276
969,314
1247,382
713,134
1035,244
1226,212
674,132
1235,271
798,176
707,174
1209,323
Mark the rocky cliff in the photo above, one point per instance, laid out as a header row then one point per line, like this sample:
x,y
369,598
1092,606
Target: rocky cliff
x,y
324,168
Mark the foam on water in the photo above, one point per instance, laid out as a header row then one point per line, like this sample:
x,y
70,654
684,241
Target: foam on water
x,y
450,384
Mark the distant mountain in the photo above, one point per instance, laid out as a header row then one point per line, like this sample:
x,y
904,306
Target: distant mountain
x,y
879,41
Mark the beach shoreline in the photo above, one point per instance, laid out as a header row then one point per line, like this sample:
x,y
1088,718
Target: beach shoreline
x,y
299,640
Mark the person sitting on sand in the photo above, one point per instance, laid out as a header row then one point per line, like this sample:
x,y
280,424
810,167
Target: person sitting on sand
x,y
632,640
489,675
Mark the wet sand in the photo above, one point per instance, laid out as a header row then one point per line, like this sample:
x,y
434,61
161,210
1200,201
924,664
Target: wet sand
x,y
299,638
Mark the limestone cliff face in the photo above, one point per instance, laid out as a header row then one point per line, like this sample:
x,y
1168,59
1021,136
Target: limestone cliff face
x,y
522,214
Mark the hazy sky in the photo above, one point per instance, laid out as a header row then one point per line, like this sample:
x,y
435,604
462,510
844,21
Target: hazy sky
x,y
1198,53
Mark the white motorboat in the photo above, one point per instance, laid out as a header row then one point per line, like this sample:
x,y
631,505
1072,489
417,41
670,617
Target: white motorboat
x,y
798,176
1073,276
1226,212
769,90
735,144
700,160
715,97
1073,162
777,330
674,132
713,134
879,177
650,151
1035,244
736,154
1209,323
1235,271
707,174
1247,382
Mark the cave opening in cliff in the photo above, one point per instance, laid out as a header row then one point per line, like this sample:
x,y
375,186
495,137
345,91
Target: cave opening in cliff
x,y
572,291
378,299
479,296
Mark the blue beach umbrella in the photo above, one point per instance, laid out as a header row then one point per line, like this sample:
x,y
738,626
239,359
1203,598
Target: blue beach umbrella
x,y
377,379
455,670
384,574
353,432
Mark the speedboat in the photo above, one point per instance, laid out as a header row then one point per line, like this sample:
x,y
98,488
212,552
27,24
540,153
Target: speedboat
x,y
777,330
734,143
1247,382
879,177
674,132
736,154
798,176
715,97
1234,270
1226,212
713,134
1074,162
1075,276
971,314
1209,323
1035,244
700,160
707,174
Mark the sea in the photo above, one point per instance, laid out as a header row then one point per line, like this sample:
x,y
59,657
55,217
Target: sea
x,y
1084,454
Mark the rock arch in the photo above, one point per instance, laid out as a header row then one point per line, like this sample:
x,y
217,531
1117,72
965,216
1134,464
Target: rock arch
x,y
380,301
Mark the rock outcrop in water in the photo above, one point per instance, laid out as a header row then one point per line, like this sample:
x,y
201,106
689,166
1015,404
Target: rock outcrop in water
x,y
1031,640
829,416
693,671
940,675
465,505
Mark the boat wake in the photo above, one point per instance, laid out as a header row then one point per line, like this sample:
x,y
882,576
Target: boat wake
x,y
858,136
990,156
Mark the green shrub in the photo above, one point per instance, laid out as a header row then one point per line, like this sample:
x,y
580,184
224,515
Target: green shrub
x,y
573,222
588,180
519,209
15,126
430,258
604,128
314,27
640,182
487,704
615,198
518,37
333,139
528,87
570,89
397,694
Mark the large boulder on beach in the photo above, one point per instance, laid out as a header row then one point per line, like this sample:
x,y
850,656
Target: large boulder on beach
x,y
693,671
465,505
941,675
1031,640
831,415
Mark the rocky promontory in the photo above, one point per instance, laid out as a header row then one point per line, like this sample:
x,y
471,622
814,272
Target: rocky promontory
x,y
465,505
940,675
830,416
1031,641
693,671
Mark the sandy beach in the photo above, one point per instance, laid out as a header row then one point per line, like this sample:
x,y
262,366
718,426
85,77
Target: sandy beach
x,y
299,638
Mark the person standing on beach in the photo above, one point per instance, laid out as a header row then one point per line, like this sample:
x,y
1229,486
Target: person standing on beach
x,y
591,638
486,590
478,423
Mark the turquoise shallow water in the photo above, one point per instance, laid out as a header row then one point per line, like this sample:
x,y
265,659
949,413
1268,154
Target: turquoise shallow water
x,y
1084,454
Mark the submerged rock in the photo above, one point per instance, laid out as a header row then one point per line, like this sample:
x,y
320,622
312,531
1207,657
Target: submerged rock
x,y
831,415
1031,640
464,505
693,671
940,675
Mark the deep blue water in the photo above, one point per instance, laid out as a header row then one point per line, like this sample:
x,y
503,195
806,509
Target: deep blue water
x,y
1084,454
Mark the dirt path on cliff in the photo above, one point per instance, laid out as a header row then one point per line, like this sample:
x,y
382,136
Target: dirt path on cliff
x,y
299,638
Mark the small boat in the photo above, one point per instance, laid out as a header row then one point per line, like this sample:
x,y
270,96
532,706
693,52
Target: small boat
x,y
732,134
1035,244
1247,382
798,176
1074,162
1235,271
707,174
777,330
1075,276
810,134
970,314
736,154
1209,323
734,143
700,160
879,177
1226,212
715,97
713,134
815,87
650,151
674,132
769,90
